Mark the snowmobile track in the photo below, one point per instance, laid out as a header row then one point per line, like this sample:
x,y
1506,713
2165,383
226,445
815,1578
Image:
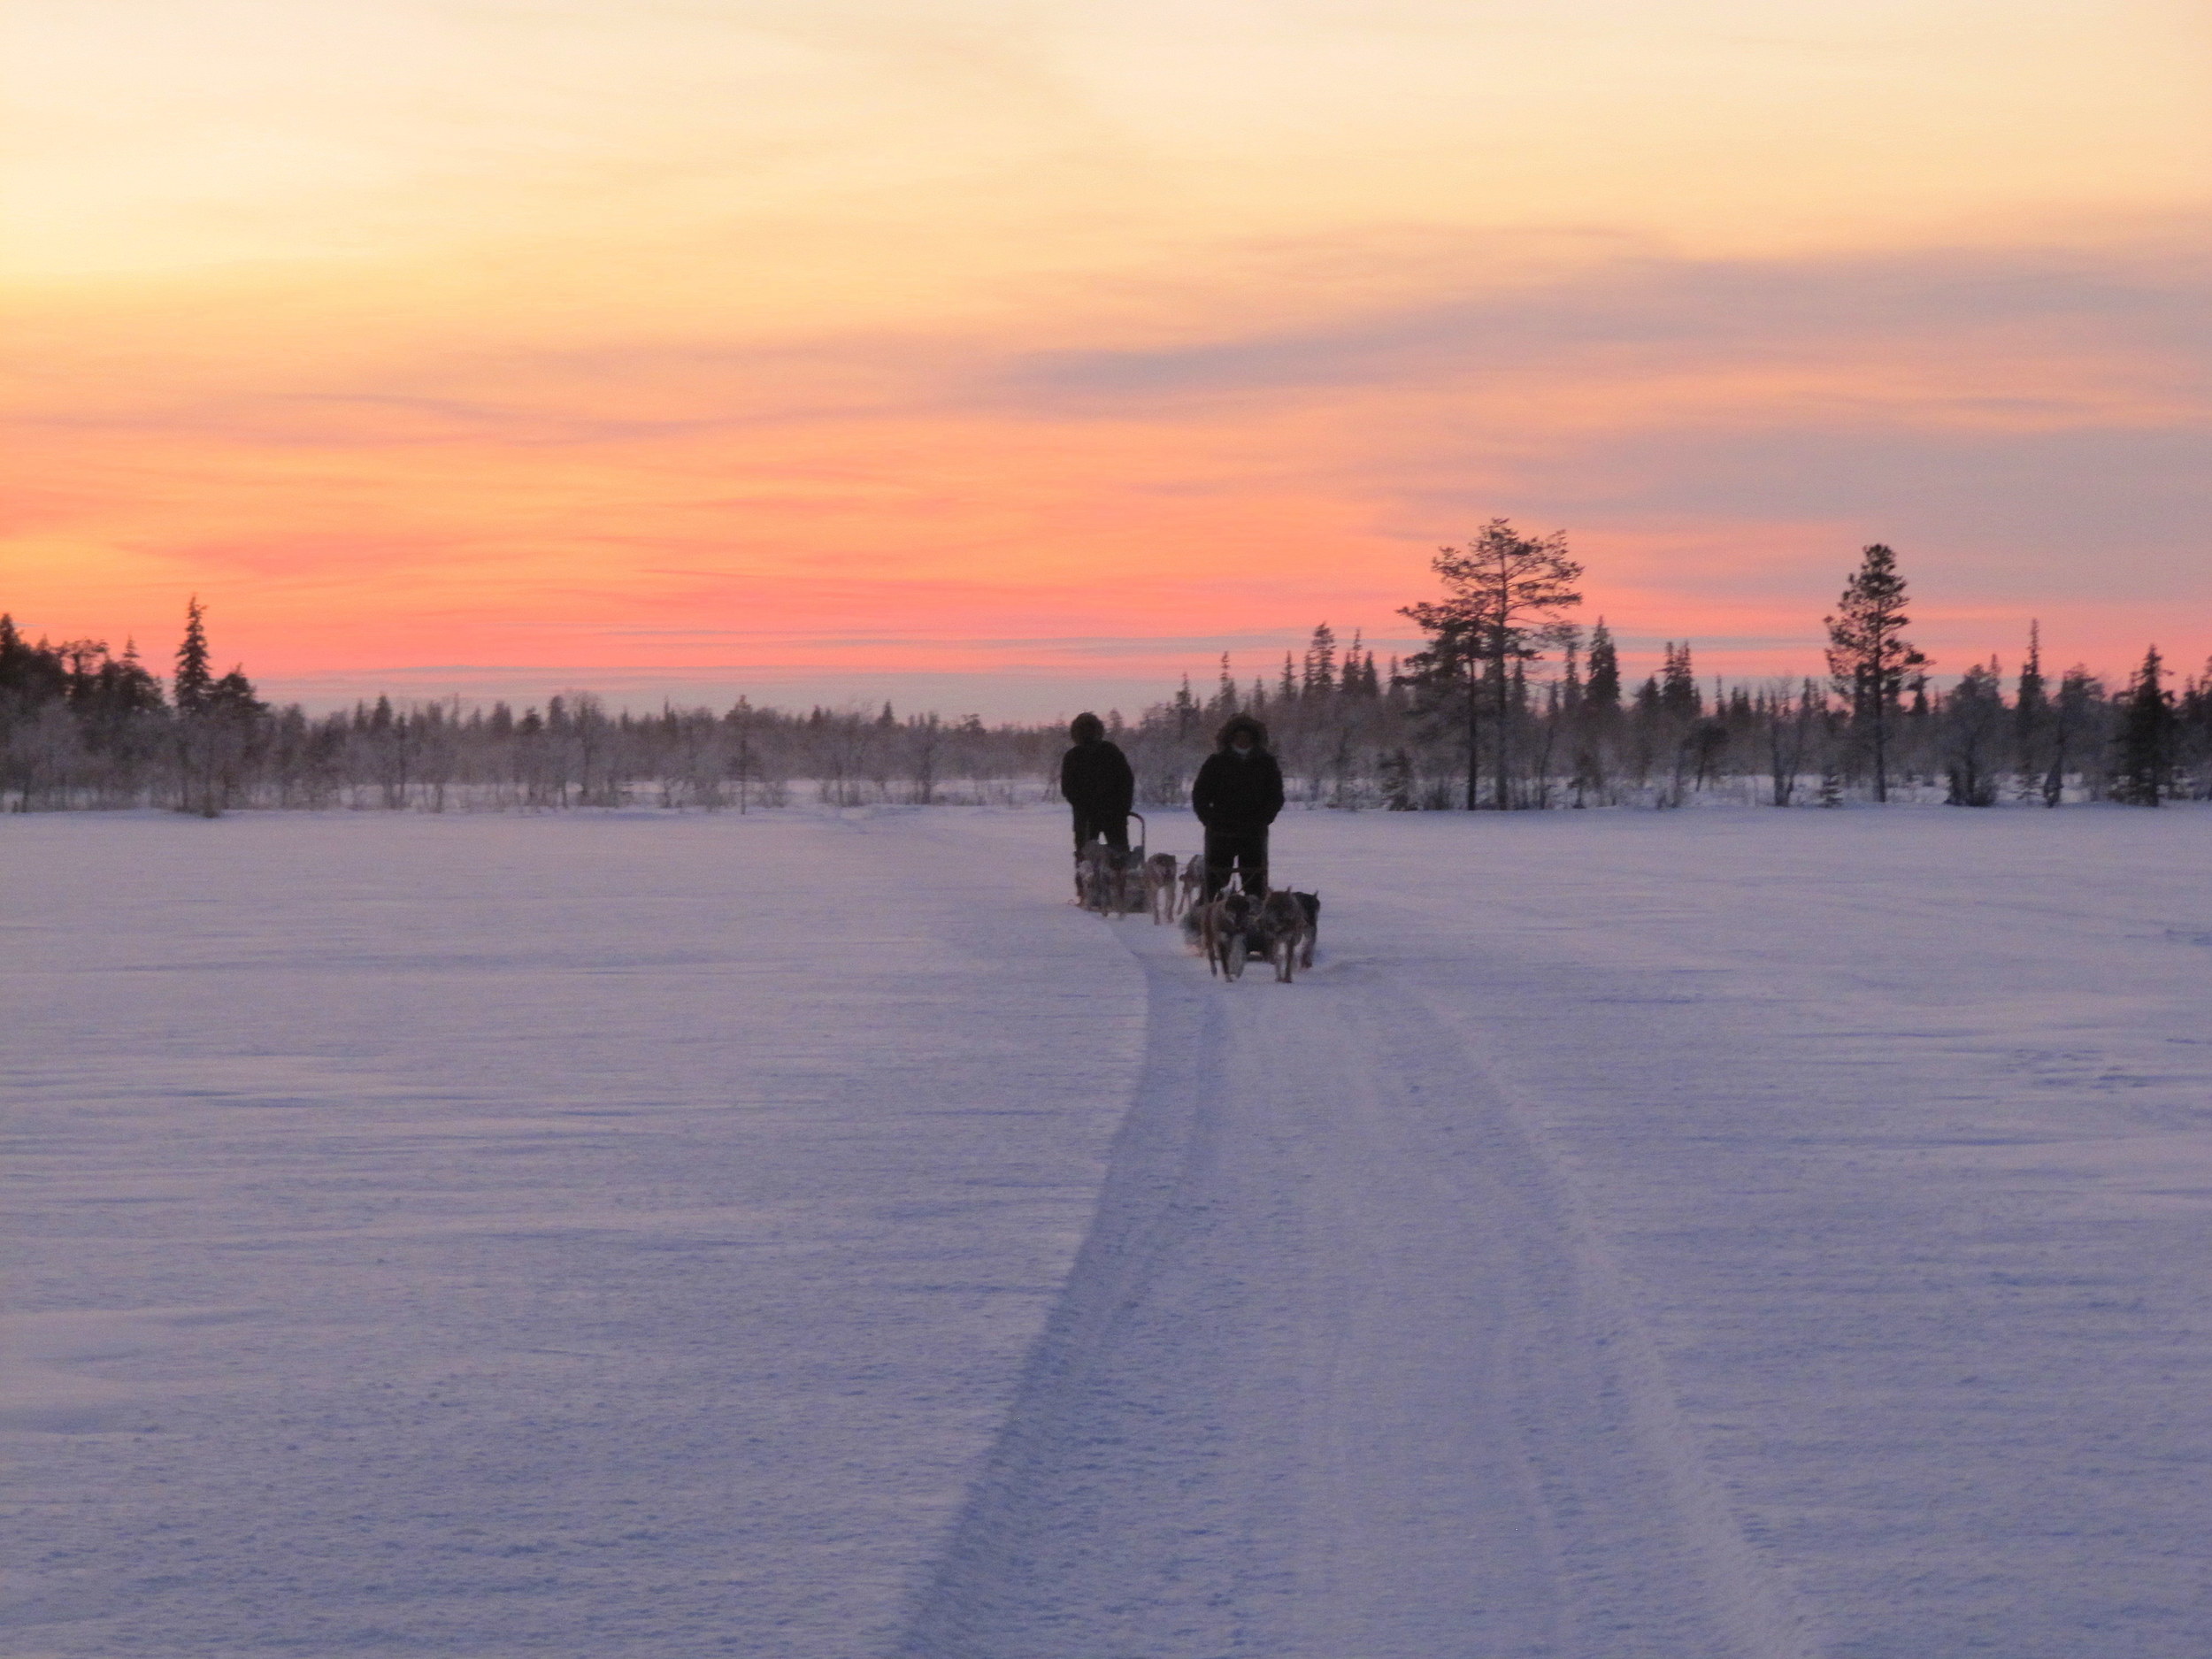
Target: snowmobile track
x,y
1340,1370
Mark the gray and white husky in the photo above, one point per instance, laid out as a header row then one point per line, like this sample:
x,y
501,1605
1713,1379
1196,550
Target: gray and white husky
x,y
1224,928
1159,886
1194,882
1310,903
1281,927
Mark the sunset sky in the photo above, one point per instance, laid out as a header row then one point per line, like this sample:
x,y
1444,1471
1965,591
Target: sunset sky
x,y
1011,357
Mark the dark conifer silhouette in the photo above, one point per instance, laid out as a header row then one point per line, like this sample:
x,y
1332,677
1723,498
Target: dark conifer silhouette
x,y
1504,596
1679,694
1603,689
2145,760
194,679
1868,653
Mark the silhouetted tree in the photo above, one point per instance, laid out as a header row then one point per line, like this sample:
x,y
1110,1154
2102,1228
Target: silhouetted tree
x,y
1504,593
1603,689
2075,723
1974,726
1678,684
194,678
1868,653
2144,766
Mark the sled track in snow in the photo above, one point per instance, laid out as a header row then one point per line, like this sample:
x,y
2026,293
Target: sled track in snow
x,y
1340,1372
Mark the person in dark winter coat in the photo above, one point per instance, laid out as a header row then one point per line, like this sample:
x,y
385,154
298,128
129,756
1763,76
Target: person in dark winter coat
x,y
1096,782
1237,794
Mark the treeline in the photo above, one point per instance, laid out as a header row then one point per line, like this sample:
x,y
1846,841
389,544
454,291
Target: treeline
x,y
1509,706
80,726
1583,738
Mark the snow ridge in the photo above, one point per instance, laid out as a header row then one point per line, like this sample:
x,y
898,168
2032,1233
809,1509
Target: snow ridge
x,y
1751,1608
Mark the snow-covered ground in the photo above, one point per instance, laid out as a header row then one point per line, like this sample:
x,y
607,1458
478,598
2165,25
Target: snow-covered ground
x,y
1701,1234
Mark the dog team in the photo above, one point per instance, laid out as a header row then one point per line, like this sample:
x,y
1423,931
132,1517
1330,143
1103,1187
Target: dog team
x,y
1237,796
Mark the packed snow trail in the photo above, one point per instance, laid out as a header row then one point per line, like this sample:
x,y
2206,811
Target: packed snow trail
x,y
1339,1371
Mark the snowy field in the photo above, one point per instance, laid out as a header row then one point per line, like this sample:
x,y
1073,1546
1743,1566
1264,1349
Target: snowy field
x,y
628,1237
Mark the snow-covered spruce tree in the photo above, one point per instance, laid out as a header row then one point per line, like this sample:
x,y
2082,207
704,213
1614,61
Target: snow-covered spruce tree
x,y
33,684
2075,730
1444,681
119,706
1505,594
2194,746
2143,759
236,722
1791,731
1597,717
1973,736
1868,653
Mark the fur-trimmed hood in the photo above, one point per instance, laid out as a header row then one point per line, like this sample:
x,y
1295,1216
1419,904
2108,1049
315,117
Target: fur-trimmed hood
x,y
1237,723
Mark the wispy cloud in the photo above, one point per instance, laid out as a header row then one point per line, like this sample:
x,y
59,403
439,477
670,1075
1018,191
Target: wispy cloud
x,y
1645,318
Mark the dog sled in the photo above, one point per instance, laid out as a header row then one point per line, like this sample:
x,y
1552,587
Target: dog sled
x,y
1115,883
1275,927
1104,875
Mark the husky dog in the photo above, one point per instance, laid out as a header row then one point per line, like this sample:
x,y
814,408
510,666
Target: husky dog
x,y
1136,889
1101,877
1224,926
1159,886
1310,903
1194,881
1281,925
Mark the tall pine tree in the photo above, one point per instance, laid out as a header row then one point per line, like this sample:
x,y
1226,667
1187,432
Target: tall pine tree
x,y
1677,688
1868,653
195,681
2145,767
1504,596
1602,690
2031,712
1319,678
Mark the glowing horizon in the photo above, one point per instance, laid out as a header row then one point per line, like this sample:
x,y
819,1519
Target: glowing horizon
x,y
1039,353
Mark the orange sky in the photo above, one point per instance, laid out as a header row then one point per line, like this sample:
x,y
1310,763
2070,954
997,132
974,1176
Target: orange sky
x,y
1011,357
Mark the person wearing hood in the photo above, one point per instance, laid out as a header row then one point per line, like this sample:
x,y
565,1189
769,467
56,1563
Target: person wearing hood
x,y
1237,794
1096,782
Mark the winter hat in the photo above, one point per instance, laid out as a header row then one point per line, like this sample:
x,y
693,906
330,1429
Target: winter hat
x,y
1087,728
